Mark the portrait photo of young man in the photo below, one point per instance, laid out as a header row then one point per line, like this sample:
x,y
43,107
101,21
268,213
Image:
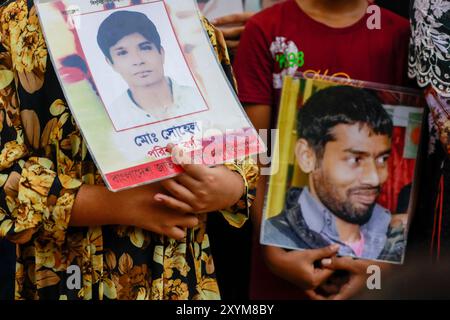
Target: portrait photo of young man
x,y
344,143
132,46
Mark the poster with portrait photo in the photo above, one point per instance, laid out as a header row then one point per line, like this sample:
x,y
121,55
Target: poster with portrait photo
x,y
139,76
345,170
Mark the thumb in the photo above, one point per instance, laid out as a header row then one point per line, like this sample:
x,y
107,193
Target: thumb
x,y
312,295
349,290
327,252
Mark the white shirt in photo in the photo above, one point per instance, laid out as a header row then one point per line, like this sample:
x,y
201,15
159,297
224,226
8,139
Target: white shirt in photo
x,y
218,8
126,114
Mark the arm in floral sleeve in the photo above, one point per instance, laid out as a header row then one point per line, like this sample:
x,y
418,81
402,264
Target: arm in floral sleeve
x,y
33,197
201,189
238,214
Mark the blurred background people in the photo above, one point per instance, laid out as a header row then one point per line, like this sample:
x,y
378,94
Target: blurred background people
x,y
7,269
213,9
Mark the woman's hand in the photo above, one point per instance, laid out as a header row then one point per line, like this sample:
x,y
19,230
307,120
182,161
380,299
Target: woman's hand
x,y
356,281
202,189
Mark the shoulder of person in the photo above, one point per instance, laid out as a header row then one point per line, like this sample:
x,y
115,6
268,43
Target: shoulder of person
x,y
395,243
382,212
380,219
276,231
186,96
5,3
279,221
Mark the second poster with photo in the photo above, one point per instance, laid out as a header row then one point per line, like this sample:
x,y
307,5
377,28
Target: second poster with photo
x,y
345,168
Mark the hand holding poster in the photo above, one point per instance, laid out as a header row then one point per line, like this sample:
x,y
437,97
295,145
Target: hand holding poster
x,y
346,168
138,76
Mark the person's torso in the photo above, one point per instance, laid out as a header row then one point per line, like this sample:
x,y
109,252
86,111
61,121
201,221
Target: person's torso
x,y
298,43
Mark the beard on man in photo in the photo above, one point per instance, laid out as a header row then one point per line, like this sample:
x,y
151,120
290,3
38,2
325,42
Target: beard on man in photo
x,y
343,207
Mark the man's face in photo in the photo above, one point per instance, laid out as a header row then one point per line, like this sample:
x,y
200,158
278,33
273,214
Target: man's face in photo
x,y
137,60
349,176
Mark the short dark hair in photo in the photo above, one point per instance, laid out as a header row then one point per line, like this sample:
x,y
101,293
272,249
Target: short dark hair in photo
x,y
123,23
340,105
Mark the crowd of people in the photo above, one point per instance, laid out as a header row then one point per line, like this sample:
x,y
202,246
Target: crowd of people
x,y
175,239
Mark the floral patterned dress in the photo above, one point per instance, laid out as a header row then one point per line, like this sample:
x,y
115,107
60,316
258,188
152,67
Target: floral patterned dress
x,y
43,163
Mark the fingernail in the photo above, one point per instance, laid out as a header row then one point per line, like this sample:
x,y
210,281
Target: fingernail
x,y
326,262
335,247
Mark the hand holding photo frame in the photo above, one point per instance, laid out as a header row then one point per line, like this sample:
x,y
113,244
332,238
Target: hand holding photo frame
x,y
347,168
138,76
